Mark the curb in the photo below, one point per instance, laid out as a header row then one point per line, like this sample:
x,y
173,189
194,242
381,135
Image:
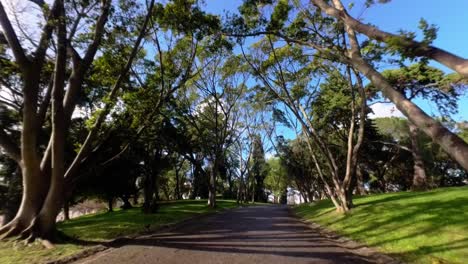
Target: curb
x,y
359,248
119,241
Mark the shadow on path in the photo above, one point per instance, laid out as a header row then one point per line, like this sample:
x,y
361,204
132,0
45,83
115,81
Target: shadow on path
x,y
263,234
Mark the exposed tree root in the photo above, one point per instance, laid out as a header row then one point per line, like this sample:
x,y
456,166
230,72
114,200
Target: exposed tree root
x,y
26,235
11,229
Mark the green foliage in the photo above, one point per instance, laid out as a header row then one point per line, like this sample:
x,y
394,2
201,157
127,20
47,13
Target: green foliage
x,y
277,178
258,169
185,16
422,81
279,15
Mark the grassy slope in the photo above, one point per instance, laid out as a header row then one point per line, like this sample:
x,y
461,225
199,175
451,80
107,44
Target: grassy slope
x,y
419,227
104,226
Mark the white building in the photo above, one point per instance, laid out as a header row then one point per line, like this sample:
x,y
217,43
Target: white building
x,y
294,196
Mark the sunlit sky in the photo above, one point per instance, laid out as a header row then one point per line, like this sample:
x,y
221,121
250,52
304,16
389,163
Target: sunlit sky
x,y
449,16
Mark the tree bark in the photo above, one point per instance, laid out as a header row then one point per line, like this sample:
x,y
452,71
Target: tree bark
x,y
66,210
46,218
177,187
360,181
212,187
419,173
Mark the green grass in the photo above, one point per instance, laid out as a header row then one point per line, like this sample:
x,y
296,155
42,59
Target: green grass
x,y
418,227
106,226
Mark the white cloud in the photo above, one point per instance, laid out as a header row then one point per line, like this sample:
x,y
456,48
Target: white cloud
x,y
384,110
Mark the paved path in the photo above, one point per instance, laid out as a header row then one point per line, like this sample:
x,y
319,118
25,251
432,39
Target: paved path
x,y
263,234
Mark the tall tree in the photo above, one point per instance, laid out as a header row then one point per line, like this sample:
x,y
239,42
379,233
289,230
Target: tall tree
x,y
423,82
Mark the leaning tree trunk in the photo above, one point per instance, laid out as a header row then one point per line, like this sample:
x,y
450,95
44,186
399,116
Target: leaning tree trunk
x,y
419,173
449,141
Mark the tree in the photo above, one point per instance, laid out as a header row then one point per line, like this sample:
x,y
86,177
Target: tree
x,y
403,43
448,140
422,81
211,112
304,27
42,186
276,180
258,170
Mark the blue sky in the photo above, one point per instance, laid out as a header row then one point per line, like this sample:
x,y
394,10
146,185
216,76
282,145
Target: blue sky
x,y
449,16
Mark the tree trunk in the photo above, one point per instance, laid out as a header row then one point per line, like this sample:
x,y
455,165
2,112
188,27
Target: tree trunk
x,y
177,187
44,223
229,179
126,203
419,173
66,210
411,47
360,181
149,205
110,202
449,141
212,188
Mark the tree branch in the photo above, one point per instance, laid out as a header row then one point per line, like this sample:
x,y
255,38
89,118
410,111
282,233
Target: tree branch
x,y
412,48
12,39
71,172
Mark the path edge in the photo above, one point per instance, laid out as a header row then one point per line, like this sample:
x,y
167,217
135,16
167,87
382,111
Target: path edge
x,y
119,241
357,247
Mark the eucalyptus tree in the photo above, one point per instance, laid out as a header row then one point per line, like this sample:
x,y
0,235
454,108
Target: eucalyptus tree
x,y
291,80
295,158
402,43
252,111
214,106
277,180
327,40
428,83
258,170
355,55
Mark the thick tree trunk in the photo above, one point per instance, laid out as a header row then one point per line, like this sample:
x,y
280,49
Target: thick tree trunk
x,y
43,190
419,173
35,185
44,224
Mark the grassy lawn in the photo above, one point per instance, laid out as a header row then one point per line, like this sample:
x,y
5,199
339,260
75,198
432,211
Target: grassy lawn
x,y
418,227
105,226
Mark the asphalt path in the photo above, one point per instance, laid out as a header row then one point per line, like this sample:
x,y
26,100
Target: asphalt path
x,y
258,234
